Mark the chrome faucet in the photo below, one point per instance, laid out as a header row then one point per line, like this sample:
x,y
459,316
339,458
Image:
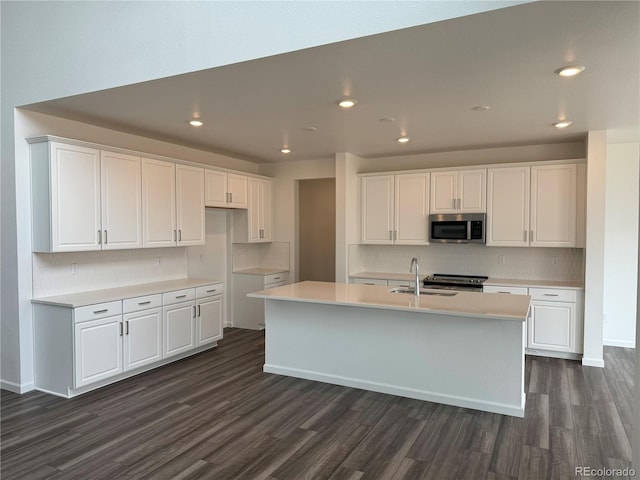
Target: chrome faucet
x,y
414,261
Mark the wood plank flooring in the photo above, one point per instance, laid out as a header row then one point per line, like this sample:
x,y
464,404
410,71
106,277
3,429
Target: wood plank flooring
x,y
218,416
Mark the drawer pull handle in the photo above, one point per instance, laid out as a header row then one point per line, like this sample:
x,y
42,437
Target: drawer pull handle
x,y
505,292
213,290
277,278
144,303
126,324
551,295
101,311
181,296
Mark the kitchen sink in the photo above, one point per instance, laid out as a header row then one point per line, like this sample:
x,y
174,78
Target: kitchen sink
x,y
411,291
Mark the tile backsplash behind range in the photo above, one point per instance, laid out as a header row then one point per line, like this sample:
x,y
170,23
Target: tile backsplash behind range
x,y
62,273
561,264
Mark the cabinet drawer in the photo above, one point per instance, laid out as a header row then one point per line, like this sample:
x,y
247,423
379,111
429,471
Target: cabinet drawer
x,y
99,310
503,289
402,283
369,281
178,296
276,278
553,294
141,303
210,290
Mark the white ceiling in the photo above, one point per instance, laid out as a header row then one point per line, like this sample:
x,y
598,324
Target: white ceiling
x,y
428,78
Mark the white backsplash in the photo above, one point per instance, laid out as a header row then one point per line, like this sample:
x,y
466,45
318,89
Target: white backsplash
x,y
560,264
62,273
254,255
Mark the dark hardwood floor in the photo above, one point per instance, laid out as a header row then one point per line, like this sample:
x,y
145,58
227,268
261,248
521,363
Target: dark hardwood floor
x,y
217,416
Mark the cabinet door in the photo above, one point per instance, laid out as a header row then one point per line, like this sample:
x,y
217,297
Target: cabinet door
x,y
158,203
209,320
444,192
553,206
142,338
411,208
266,210
215,188
237,188
472,190
75,198
377,209
178,332
253,212
508,207
121,180
97,350
552,326
190,205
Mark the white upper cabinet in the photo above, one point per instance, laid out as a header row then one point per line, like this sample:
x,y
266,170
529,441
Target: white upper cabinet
x,y
508,207
260,212
378,209
121,200
395,209
190,205
411,208
225,190
532,206
173,204
84,199
458,191
553,206
158,203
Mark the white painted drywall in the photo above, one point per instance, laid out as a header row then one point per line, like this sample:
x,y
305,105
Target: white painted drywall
x,y
594,263
636,422
621,244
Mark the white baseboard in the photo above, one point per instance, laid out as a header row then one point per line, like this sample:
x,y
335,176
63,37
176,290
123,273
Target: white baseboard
x,y
593,362
619,343
473,403
16,387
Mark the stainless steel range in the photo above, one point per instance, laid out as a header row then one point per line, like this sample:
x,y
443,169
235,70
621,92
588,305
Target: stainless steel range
x,y
454,282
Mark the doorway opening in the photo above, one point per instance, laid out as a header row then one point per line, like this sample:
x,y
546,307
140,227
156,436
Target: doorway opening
x,y
317,230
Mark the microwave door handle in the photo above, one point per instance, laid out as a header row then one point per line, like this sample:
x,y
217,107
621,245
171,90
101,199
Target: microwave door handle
x,y
468,229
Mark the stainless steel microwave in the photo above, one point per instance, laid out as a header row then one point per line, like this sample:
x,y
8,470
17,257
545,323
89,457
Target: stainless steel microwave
x,y
457,228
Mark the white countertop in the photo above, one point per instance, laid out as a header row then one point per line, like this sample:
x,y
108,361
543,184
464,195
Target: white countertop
x,y
502,282
82,299
261,271
467,304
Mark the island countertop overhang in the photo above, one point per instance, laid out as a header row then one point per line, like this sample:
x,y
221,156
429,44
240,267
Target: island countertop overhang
x,y
462,304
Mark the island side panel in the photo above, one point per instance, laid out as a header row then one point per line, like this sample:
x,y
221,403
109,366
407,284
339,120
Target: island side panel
x,y
470,362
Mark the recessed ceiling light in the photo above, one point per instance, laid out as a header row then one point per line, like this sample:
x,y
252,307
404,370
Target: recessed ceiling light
x,y
481,108
347,103
311,129
570,70
196,123
403,139
562,124
285,150
387,120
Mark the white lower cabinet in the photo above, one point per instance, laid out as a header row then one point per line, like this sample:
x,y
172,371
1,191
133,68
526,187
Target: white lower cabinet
x,y
209,320
555,321
79,349
249,312
142,338
98,350
551,326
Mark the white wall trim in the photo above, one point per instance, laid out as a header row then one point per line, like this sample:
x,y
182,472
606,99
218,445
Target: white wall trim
x,y
618,343
16,387
592,362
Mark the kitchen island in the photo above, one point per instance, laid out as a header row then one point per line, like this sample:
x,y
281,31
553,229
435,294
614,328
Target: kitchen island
x,y
458,348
